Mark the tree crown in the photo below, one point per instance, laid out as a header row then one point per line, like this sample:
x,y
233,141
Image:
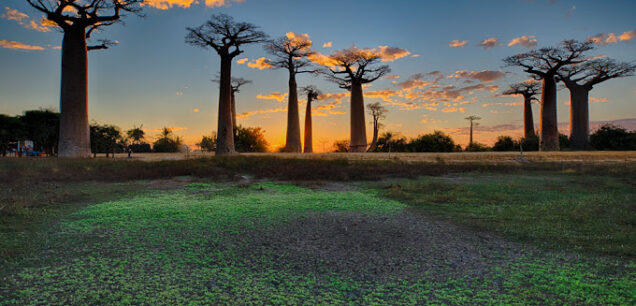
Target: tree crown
x,y
291,52
225,35
353,65
594,71
545,62
527,89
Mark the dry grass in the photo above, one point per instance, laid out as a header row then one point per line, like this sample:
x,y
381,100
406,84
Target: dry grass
x,y
459,157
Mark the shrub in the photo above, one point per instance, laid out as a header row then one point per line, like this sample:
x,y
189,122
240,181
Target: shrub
x,y
433,142
105,139
208,143
390,142
505,143
477,147
249,139
564,142
530,143
140,147
341,145
611,137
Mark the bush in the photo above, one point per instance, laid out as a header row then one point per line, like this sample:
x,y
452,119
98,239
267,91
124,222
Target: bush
x,y
249,139
505,143
208,143
611,137
167,145
390,142
477,147
530,143
341,146
433,142
564,142
140,147
105,139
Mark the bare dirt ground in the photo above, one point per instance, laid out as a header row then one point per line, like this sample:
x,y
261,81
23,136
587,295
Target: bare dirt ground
x,y
458,157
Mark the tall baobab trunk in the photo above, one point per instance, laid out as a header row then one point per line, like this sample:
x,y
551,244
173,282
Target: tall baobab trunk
x,y
74,128
308,128
225,131
233,109
528,121
579,118
374,141
358,130
292,143
549,124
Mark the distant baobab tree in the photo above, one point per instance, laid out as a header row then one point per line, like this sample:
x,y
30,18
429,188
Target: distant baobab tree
x,y
290,52
237,83
544,64
312,94
472,124
378,112
352,69
226,37
580,79
78,20
528,90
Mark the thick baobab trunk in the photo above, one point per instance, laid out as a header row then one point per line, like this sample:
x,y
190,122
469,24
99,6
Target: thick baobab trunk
x,y
374,141
528,121
233,109
549,124
358,130
579,118
292,143
74,129
308,128
225,131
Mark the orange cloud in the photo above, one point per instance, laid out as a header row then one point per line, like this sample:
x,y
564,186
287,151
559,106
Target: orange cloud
x,y
262,111
196,110
453,110
172,128
44,24
327,45
627,36
9,44
415,81
598,100
242,61
611,38
273,96
526,41
457,43
489,43
385,95
168,4
260,64
389,54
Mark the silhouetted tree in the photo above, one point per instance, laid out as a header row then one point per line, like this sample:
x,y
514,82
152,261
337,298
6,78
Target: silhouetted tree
x,y
544,64
226,37
390,142
208,143
472,125
312,94
341,146
437,141
136,134
11,129
353,68
104,138
610,137
290,52
528,90
43,127
250,139
167,142
580,79
378,112
505,143
78,20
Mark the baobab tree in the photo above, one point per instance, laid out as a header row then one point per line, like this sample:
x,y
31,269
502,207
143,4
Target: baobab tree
x,y
78,20
237,83
529,91
472,120
378,112
290,52
580,79
226,37
544,64
312,94
350,69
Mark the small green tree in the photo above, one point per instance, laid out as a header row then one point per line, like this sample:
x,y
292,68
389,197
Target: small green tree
x,y
611,137
43,127
391,142
341,146
104,139
250,139
505,143
167,142
437,141
208,143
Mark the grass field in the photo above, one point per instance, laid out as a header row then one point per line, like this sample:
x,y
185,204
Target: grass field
x,y
255,230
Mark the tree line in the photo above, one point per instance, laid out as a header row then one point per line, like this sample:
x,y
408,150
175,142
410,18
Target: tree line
x,y
350,69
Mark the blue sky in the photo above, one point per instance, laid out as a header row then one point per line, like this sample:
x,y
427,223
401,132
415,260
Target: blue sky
x,y
153,78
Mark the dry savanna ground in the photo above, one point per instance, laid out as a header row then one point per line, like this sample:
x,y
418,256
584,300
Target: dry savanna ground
x,y
455,228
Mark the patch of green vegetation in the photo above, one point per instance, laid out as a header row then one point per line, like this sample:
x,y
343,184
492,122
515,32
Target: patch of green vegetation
x,y
588,213
187,246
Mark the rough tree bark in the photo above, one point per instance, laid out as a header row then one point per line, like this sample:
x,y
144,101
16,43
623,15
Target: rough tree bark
x,y
358,129
225,128
292,140
308,127
528,120
74,127
374,140
233,98
579,118
549,124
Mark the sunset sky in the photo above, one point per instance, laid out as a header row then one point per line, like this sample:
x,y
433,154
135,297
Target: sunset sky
x,y
445,57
